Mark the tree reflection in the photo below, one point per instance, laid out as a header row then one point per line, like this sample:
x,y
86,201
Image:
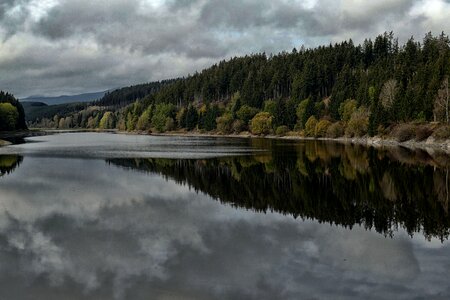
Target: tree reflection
x,y
8,163
336,184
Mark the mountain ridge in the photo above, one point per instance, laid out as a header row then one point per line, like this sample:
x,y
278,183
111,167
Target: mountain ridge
x,y
63,99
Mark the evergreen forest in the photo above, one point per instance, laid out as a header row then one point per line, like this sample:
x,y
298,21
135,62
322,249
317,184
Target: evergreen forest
x,y
379,87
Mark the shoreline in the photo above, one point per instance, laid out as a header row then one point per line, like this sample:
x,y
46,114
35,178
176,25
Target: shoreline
x,y
377,142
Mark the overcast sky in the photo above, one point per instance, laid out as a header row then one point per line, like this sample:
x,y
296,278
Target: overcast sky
x,y
53,47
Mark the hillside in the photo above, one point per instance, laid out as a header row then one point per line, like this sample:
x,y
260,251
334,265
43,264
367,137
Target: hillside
x,y
126,95
39,110
86,97
333,90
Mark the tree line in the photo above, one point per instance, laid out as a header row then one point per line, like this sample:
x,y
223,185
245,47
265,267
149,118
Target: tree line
x,y
333,90
12,116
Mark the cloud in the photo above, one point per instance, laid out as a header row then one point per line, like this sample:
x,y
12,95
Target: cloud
x,y
69,46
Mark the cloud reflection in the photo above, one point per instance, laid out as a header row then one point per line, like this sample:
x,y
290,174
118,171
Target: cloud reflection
x,y
83,229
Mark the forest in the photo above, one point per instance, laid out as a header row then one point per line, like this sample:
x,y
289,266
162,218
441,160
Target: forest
x,y
12,116
376,88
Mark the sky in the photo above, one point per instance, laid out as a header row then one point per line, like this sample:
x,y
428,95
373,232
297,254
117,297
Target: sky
x,y
54,47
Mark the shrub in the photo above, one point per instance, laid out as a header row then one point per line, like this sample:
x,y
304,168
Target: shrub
x,y
310,126
224,123
423,132
404,132
281,130
238,126
270,106
170,124
358,123
246,113
261,123
442,133
335,130
347,108
322,127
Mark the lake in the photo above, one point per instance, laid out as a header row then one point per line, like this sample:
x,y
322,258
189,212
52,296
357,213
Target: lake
x,y
109,216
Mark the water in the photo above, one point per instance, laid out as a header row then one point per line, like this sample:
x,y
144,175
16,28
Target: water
x,y
107,216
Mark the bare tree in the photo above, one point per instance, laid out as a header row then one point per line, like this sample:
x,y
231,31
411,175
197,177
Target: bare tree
x,y
388,91
441,103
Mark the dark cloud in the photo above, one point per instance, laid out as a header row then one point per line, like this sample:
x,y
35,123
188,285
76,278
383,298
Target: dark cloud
x,y
142,40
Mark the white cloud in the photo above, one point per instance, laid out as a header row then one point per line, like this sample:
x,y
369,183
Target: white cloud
x,y
137,41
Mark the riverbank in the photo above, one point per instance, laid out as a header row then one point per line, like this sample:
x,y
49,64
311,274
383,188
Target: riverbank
x,y
10,137
376,142
430,144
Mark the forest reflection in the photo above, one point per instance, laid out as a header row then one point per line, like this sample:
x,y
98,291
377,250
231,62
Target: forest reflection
x,y
8,163
333,183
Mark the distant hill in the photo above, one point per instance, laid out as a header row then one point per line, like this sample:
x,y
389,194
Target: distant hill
x,y
39,110
87,97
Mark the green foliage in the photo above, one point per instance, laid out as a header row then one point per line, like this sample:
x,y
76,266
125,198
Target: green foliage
x,y
224,123
191,117
310,126
261,123
181,117
162,112
305,110
208,117
107,121
322,128
12,116
131,122
246,113
282,130
9,116
235,104
270,106
347,108
144,120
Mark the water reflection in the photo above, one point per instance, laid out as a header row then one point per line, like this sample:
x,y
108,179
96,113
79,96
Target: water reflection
x,y
344,185
149,229
8,163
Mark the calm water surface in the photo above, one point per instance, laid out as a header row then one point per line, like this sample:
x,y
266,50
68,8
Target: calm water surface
x,y
106,216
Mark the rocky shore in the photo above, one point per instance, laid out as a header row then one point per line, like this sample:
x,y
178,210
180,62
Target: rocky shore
x,y
376,142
